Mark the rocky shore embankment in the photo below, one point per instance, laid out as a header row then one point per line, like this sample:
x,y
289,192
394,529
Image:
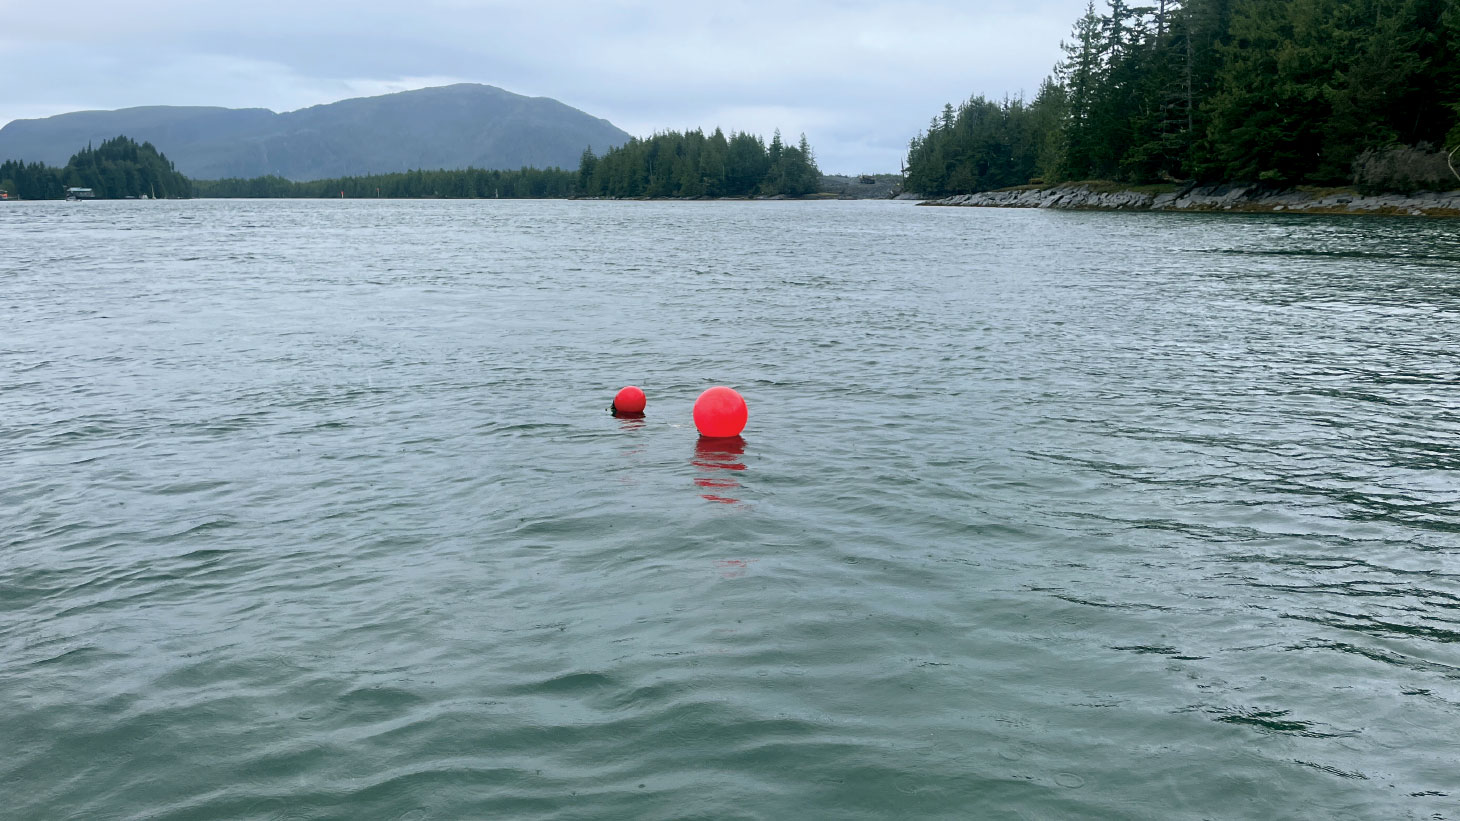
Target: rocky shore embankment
x,y
1240,198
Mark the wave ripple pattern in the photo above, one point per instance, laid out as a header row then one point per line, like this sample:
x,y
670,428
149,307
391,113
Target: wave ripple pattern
x,y
312,510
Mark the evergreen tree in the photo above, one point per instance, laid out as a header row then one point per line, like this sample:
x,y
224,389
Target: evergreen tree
x,y
1271,106
1273,91
1081,73
689,164
712,164
121,168
586,166
987,145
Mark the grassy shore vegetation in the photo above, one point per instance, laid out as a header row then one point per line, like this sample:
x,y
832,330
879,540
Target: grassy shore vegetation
x,y
1281,92
116,169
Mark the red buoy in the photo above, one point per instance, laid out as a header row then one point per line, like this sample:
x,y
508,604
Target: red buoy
x,y
720,412
629,400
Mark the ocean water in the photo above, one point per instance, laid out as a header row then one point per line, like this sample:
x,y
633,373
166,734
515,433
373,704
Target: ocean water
x,y
312,510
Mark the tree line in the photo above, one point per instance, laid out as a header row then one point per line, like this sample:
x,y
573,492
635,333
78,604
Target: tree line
x,y
690,164
116,169
670,164
1277,92
469,183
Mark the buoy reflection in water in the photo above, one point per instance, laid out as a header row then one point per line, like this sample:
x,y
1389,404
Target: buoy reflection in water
x,y
713,457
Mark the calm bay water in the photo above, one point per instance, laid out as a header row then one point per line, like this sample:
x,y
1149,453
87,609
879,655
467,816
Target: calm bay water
x,y
312,510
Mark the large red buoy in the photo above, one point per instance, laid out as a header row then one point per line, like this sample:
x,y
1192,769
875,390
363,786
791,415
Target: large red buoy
x,y
629,400
720,412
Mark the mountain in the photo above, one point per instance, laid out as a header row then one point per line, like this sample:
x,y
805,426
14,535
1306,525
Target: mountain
x,y
454,126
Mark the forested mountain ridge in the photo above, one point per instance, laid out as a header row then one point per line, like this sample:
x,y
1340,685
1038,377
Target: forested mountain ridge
x,y
457,126
1274,92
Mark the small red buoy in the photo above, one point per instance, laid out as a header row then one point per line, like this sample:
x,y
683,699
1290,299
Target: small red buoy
x,y
629,400
720,412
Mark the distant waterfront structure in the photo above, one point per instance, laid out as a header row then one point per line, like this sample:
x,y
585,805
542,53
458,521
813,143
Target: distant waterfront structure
x,y
4,195
80,194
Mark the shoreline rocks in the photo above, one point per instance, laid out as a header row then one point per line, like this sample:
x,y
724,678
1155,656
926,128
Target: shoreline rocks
x,y
1235,198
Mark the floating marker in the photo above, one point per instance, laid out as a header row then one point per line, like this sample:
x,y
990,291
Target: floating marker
x,y
629,400
720,412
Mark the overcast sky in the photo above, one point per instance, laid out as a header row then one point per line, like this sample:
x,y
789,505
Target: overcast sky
x,y
858,78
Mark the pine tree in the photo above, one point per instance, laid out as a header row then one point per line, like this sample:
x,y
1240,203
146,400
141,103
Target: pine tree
x,y
1082,73
1269,111
587,165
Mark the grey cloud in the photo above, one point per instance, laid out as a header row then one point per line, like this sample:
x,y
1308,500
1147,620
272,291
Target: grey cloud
x,y
859,78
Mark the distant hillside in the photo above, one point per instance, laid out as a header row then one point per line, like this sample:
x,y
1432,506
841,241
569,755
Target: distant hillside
x,y
455,126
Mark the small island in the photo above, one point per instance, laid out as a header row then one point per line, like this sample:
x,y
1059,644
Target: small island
x,y
117,169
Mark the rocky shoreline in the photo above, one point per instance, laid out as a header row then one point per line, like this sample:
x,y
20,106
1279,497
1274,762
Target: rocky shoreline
x,y
1237,198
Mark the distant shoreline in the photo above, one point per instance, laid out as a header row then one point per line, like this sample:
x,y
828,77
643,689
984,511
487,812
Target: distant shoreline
x,y
1237,198
1090,196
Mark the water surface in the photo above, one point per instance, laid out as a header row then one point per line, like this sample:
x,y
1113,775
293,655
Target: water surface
x,y
312,510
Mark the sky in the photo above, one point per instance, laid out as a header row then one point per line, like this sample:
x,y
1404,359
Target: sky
x,y
859,79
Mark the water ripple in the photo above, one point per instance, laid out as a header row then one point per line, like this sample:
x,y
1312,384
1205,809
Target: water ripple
x,y
312,510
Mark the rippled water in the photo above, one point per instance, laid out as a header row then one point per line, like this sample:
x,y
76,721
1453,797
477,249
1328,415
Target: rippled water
x,y
312,510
